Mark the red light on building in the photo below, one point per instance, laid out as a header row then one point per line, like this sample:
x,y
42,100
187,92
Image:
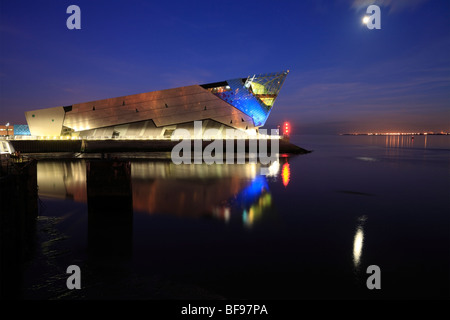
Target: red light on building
x,y
286,129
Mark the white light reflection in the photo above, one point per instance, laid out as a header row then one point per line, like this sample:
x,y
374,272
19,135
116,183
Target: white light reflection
x,y
357,246
358,241
273,169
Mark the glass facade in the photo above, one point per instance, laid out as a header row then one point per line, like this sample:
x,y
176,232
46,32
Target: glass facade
x,y
21,130
255,96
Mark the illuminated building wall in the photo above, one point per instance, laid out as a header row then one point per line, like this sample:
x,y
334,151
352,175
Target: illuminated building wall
x,y
242,103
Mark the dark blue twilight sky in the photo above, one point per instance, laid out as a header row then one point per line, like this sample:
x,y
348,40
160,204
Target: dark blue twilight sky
x,y
344,77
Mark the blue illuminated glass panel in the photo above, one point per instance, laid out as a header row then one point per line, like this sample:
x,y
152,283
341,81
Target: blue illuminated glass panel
x,y
21,130
254,96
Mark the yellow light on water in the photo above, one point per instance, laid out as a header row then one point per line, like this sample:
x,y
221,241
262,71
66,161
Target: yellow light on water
x,y
285,174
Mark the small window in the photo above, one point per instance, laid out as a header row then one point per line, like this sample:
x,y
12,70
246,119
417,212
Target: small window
x,y
168,133
242,119
231,121
123,103
166,105
93,108
33,115
205,108
137,110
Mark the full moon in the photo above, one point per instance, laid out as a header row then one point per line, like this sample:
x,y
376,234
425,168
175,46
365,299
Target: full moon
x,y
365,20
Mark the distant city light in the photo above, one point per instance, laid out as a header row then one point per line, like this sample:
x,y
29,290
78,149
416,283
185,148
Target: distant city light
x,y
395,133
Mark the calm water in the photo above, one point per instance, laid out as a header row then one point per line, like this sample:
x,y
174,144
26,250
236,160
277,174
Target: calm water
x,y
308,229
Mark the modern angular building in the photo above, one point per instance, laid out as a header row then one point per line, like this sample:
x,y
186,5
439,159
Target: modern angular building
x,y
242,103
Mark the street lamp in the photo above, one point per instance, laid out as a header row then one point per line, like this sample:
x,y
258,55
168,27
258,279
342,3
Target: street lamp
x,y
7,125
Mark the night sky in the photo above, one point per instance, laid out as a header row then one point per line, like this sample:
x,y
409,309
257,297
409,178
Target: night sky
x,y
343,76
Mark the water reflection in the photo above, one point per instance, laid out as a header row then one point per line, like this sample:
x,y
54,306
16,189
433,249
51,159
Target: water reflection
x,y
161,187
189,190
402,141
272,170
358,242
110,209
63,180
286,174
254,200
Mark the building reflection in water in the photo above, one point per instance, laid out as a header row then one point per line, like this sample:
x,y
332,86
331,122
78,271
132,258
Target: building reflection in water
x,y
187,190
62,179
254,200
234,192
358,242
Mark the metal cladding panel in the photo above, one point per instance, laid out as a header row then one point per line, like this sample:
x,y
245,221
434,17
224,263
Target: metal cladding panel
x,y
219,111
165,107
133,108
45,122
